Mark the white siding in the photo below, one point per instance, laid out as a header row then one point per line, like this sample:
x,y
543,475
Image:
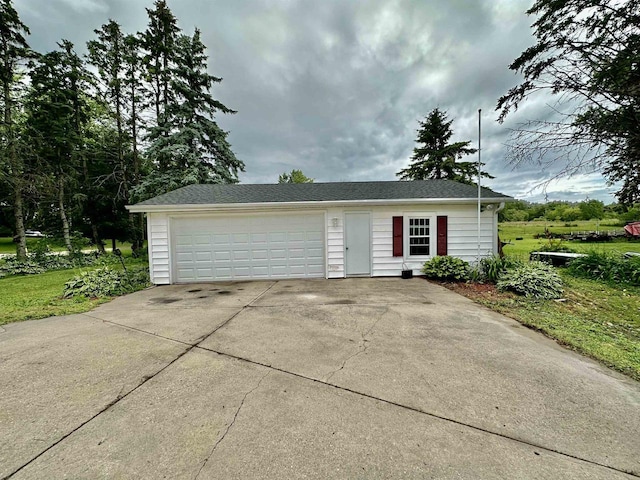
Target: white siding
x,y
158,243
462,238
335,243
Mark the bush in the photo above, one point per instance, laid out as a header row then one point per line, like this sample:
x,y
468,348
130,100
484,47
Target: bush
x,y
609,267
492,268
107,282
533,279
12,267
447,268
553,245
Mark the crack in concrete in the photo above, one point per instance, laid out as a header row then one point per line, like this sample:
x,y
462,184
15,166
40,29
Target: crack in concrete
x,y
144,380
428,414
233,421
362,348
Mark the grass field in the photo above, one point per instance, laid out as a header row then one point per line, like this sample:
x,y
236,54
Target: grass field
x,y
27,297
39,296
510,231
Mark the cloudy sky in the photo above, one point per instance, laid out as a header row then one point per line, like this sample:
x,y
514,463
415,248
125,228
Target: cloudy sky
x,y
336,87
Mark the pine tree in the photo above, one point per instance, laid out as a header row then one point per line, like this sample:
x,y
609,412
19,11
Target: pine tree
x,y
107,54
158,42
190,147
435,158
13,50
56,119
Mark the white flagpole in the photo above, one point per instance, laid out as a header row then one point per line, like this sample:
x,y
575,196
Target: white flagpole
x,y
479,191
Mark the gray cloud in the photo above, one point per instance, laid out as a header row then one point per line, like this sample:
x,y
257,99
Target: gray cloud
x,y
337,88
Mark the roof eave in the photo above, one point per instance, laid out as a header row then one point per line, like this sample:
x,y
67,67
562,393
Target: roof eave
x,y
199,207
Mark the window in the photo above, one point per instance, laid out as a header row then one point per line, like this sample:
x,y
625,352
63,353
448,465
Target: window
x,y
419,236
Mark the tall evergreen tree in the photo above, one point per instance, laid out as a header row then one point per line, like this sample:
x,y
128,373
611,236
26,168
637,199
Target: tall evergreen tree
x,y
108,54
56,119
435,157
13,50
190,147
158,42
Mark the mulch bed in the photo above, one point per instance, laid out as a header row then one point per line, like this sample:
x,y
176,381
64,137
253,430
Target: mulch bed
x,y
475,291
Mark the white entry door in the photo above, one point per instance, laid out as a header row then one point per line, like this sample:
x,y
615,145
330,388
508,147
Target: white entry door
x,y
247,247
357,234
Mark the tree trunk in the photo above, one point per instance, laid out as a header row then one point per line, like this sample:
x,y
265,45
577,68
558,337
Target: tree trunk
x,y
137,226
16,170
21,244
96,238
63,217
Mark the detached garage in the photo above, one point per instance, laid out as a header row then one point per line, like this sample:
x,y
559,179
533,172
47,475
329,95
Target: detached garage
x,y
202,233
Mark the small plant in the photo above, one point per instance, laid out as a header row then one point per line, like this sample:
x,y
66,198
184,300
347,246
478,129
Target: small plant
x,y
447,268
533,279
554,245
107,282
492,268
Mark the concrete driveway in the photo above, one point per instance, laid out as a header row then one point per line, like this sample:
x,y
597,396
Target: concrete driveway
x,y
357,378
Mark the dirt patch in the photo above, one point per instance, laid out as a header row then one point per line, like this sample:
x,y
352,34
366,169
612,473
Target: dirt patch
x,y
195,290
476,291
342,302
224,292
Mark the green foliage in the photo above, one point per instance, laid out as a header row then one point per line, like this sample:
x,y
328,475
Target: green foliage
x,y
553,245
609,267
12,266
533,279
447,268
521,211
435,158
296,176
40,262
107,282
494,267
592,209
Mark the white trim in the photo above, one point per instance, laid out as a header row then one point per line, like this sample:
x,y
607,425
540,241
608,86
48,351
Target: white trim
x,y
221,207
326,244
150,250
433,234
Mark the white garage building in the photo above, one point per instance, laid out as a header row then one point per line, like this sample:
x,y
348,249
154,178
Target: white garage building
x,y
202,233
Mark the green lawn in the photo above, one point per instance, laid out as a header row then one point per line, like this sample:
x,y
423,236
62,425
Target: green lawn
x,y
597,319
509,231
39,296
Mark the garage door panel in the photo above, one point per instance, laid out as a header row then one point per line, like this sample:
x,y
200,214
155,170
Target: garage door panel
x,y
278,254
203,256
257,255
227,248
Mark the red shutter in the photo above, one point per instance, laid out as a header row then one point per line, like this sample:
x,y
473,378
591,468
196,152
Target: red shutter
x,y
397,236
442,235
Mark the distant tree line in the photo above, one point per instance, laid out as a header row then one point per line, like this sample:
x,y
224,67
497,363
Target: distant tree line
x,y
84,135
522,211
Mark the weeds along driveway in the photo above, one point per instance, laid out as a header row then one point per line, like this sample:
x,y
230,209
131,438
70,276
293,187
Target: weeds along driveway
x,y
356,378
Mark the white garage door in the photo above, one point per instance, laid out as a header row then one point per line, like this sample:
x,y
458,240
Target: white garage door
x,y
241,247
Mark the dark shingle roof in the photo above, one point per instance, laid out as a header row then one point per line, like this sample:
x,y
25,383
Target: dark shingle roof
x,y
319,192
